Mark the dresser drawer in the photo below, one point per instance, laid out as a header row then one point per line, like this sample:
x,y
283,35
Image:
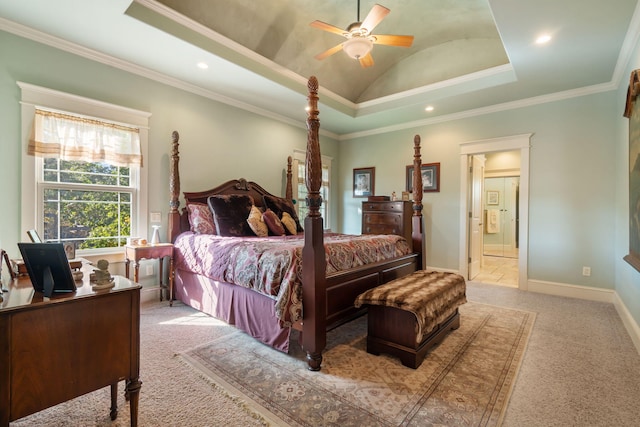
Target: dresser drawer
x,y
389,219
383,206
381,229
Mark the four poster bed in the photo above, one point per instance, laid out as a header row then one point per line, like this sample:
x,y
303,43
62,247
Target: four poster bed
x,y
302,278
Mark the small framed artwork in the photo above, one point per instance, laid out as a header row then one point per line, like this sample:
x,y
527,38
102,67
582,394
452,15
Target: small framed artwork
x,y
430,177
405,195
70,250
364,182
493,197
34,236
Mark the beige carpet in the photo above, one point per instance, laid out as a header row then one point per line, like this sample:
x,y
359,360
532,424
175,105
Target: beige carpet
x,y
466,380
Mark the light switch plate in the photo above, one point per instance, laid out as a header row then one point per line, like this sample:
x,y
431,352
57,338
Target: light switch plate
x,y
155,217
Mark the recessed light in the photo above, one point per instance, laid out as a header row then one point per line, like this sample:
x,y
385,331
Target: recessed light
x,y
545,38
203,65
429,108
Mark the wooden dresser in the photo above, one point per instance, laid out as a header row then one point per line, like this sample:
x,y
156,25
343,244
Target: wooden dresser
x,y
387,217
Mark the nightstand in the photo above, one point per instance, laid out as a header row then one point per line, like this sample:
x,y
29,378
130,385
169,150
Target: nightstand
x,y
158,251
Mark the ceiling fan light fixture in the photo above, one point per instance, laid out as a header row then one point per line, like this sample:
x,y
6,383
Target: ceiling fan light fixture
x,y
357,47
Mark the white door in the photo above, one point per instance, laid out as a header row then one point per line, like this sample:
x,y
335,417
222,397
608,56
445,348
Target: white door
x,y
475,215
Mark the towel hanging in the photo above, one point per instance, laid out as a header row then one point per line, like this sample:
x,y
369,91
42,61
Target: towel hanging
x,y
493,221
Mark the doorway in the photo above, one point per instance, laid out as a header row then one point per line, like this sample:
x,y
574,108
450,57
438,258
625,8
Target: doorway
x,y
470,150
500,235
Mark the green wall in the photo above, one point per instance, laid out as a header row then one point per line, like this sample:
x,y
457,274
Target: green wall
x,y
578,203
627,279
572,198
217,142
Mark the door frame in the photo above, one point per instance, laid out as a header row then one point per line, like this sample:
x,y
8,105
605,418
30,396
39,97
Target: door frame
x,y
507,143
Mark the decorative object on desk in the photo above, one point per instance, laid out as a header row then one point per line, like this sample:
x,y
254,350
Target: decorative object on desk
x,y
364,182
393,196
405,195
101,278
33,235
76,271
155,238
5,257
133,241
48,267
430,177
70,249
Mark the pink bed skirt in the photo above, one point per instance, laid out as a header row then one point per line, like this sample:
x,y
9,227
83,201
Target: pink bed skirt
x,y
246,309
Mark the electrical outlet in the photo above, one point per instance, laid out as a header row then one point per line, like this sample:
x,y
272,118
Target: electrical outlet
x,y
149,270
586,271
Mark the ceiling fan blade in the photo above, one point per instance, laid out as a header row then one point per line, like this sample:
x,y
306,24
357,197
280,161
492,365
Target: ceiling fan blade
x,y
392,40
374,17
329,52
328,27
366,61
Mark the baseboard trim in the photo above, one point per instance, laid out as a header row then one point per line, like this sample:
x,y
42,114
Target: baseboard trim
x,y
587,293
572,291
592,294
632,327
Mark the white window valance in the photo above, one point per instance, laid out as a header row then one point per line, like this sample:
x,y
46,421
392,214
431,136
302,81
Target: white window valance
x,y
75,138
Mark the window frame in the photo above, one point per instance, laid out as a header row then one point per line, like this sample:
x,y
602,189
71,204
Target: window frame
x,y
31,184
300,157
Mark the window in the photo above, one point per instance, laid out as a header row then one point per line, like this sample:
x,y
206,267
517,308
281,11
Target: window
x,y
300,188
87,203
83,179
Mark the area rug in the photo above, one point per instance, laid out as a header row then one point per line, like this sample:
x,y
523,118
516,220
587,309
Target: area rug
x,y
464,381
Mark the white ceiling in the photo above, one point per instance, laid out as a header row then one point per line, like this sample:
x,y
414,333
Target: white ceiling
x,y
468,56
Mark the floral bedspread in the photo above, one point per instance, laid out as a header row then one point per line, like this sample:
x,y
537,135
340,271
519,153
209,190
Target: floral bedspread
x,y
273,265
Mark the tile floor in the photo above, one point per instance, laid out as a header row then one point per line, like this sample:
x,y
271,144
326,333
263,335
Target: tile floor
x,y
498,271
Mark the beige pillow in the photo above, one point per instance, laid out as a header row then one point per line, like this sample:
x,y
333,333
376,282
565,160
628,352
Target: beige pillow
x,y
289,223
257,224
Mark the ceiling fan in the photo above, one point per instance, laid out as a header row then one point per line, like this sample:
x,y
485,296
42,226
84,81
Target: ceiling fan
x,y
360,41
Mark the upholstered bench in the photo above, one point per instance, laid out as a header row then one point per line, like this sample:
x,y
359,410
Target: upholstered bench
x,y
409,315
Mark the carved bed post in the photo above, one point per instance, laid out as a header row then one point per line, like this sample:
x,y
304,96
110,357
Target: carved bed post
x,y
417,233
174,188
313,254
289,188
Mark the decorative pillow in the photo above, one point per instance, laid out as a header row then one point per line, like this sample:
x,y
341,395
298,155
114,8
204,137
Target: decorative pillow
x,y
273,222
230,213
279,205
200,218
256,223
289,223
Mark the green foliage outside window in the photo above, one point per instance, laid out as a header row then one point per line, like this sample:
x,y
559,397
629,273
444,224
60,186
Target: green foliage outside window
x,y
88,203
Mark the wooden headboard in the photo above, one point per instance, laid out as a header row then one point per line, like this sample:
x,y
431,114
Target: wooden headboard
x,y
179,220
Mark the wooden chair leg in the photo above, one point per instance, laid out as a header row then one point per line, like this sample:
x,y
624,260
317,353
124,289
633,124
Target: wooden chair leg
x,y
114,401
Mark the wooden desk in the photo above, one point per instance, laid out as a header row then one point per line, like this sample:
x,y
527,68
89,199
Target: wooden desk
x,y
53,350
159,251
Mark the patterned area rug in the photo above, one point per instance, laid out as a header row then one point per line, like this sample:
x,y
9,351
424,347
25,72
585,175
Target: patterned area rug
x,y
464,381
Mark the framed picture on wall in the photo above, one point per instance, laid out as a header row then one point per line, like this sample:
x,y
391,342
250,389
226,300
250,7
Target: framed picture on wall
x,y
632,111
493,197
364,182
430,177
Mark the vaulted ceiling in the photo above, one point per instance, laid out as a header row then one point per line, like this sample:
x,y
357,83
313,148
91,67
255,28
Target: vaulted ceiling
x,y
467,56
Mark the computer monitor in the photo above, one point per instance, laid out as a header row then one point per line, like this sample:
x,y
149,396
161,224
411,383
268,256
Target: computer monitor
x,y
48,267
